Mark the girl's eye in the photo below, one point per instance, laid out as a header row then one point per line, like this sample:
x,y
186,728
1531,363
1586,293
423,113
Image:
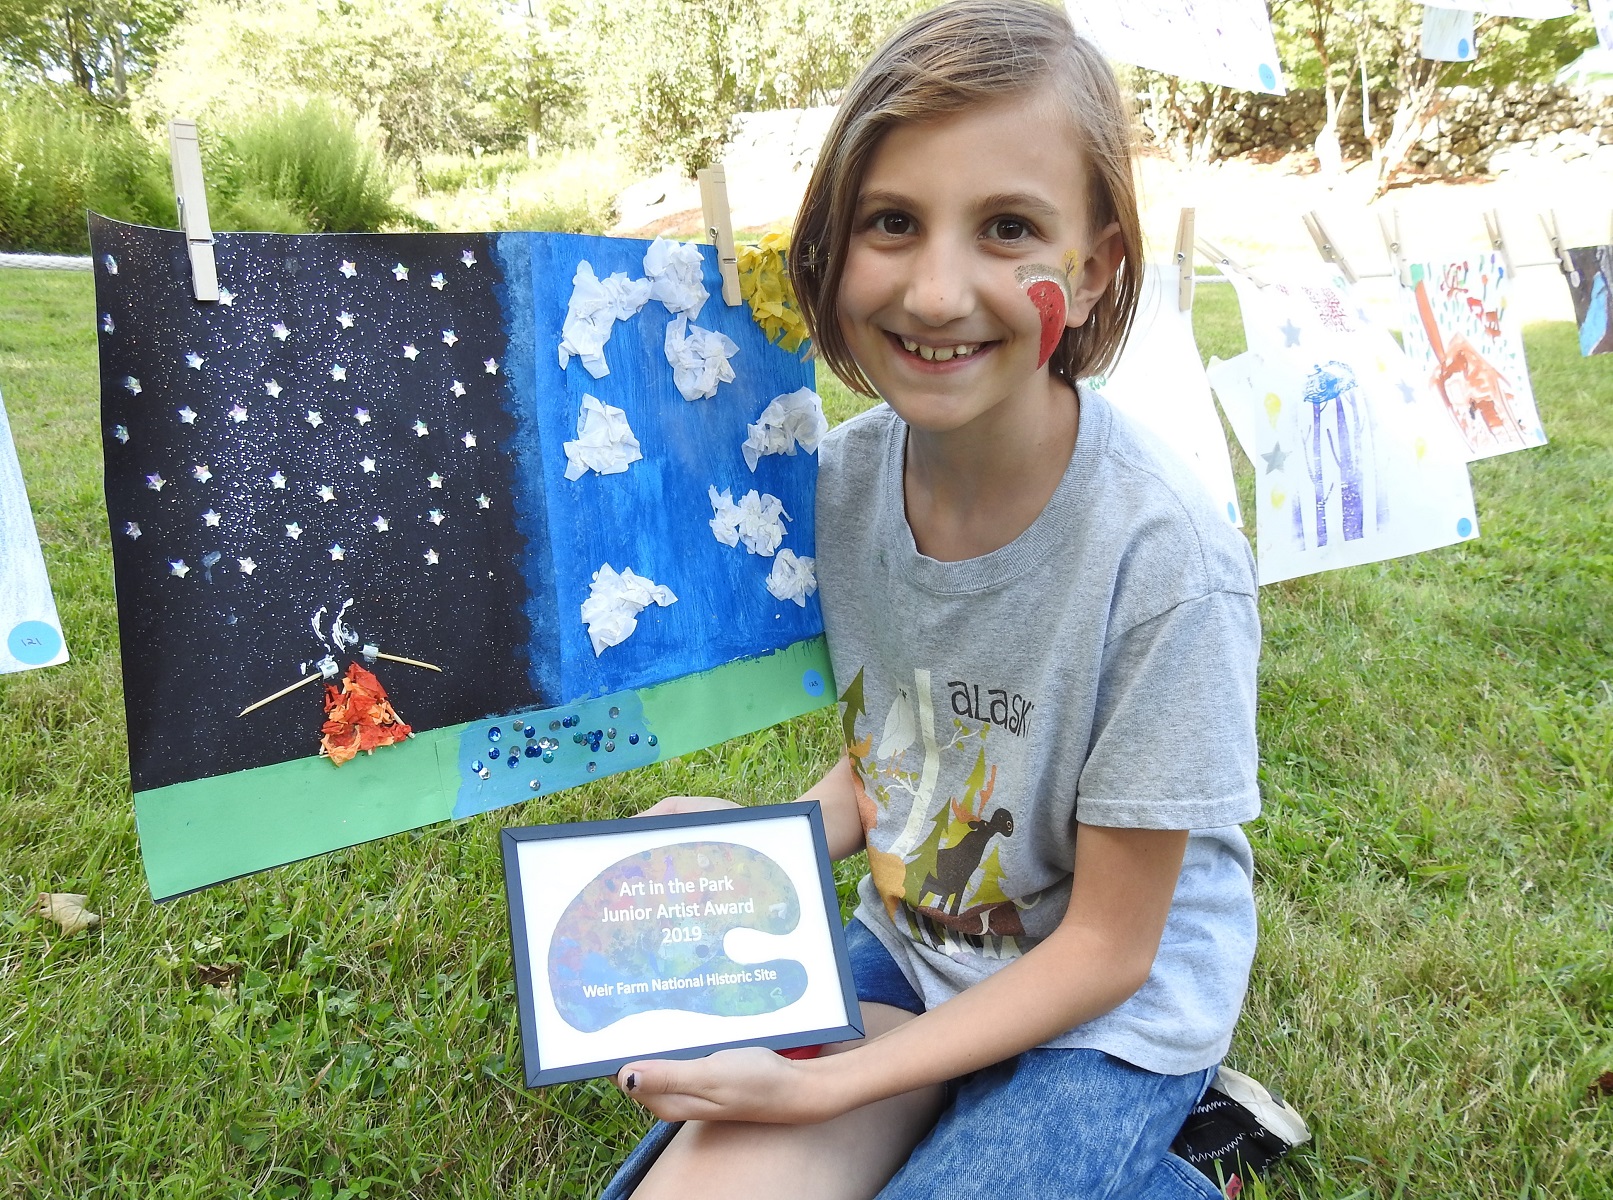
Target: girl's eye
x,y
1008,229
894,224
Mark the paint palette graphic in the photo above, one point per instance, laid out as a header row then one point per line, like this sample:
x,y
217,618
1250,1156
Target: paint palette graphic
x,y
648,932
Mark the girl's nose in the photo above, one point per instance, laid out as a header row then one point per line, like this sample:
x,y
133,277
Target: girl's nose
x,y
940,289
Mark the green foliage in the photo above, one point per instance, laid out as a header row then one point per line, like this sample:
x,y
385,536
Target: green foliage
x,y
561,214
98,46
59,157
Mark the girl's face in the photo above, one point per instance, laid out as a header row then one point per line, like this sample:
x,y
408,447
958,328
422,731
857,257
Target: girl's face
x,y
960,223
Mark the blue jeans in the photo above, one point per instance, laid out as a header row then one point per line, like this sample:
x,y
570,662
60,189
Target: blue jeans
x,y
1046,1123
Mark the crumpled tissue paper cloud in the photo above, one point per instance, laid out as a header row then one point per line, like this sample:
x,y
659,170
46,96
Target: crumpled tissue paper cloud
x,y
614,603
757,520
699,359
605,443
674,270
793,577
595,306
791,420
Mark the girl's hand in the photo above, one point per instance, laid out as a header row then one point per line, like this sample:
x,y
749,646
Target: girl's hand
x,y
747,1084
685,804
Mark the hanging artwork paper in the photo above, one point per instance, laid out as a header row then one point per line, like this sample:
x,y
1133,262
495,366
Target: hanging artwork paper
x,y
28,622
1593,298
1448,35
1534,10
1352,463
364,484
1469,347
1159,383
1602,18
1219,41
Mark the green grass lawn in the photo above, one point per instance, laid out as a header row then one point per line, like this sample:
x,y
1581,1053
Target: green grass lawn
x,y
1434,988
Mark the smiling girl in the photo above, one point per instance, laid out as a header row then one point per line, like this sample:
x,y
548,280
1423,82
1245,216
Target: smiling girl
x,y
1046,648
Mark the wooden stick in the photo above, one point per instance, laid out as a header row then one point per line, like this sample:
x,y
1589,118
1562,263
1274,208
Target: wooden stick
x,y
413,662
285,691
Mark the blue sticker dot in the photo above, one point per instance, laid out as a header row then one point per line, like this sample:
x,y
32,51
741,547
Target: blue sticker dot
x,y
548,756
813,683
477,765
1462,52
1464,527
529,732
1268,77
514,761
652,739
632,739
533,752
492,753
1232,513
494,734
34,642
592,767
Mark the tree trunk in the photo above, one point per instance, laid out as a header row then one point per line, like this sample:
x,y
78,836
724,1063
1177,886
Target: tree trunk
x,y
1418,103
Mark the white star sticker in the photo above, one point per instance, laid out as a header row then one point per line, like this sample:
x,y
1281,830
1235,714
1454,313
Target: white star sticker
x,y
483,502
247,565
106,323
281,333
194,361
239,414
381,524
273,388
438,282
294,531
449,337
121,433
337,553
458,388
278,480
468,258
132,384
435,516
348,269
361,415
132,528
344,319
400,272
431,556
178,567
420,429
201,473
326,492
470,440
367,464
155,482
226,297
315,418
187,415
337,371
434,480
490,365
111,265
410,353
211,519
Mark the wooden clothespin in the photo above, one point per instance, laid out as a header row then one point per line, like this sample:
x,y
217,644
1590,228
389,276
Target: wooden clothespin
x,y
1389,224
1548,222
1226,262
1184,260
720,228
1327,247
185,156
1498,243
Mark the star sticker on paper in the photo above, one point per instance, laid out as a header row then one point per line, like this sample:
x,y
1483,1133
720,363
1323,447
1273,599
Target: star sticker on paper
x,y
247,565
187,415
280,331
434,480
132,384
273,388
438,282
420,429
367,465
211,519
121,433
400,272
490,365
431,557
155,482
482,501
338,372
194,361
132,528
336,552
326,492
470,440
315,418
239,415
294,531
409,352
226,297
278,481
106,323
344,319
468,257
201,473
178,567
361,415
435,516
348,269
449,337
1290,333
458,389
381,524
1275,458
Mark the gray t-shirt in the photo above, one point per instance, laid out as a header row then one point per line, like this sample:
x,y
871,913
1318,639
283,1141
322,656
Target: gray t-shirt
x,y
1099,668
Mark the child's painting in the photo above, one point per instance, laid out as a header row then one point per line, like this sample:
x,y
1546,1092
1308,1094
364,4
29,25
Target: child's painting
x,y
1469,348
1593,298
1602,18
1228,42
409,527
28,621
1534,10
1352,463
1159,383
1448,35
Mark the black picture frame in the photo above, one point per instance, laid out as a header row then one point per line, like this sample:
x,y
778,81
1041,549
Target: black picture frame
x,y
594,838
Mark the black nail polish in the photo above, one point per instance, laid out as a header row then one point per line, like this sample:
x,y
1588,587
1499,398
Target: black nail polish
x,y
632,1082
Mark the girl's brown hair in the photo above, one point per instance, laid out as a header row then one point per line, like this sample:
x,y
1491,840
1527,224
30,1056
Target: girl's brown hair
x,y
953,57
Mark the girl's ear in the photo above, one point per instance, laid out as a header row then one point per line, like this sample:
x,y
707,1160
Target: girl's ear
x,y
1090,278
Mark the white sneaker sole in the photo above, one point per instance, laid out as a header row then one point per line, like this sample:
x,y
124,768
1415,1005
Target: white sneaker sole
x,y
1276,1115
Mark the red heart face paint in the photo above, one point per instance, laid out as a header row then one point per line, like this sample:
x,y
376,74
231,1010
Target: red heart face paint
x,y
1048,290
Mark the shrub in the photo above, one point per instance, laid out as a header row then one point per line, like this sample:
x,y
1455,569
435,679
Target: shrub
x,y
558,214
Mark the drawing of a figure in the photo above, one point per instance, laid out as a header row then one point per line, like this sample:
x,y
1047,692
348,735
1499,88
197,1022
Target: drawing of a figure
x,y
1593,298
1480,399
1336,440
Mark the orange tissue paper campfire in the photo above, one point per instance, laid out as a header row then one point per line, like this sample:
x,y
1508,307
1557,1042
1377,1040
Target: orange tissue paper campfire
x,y
358,716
